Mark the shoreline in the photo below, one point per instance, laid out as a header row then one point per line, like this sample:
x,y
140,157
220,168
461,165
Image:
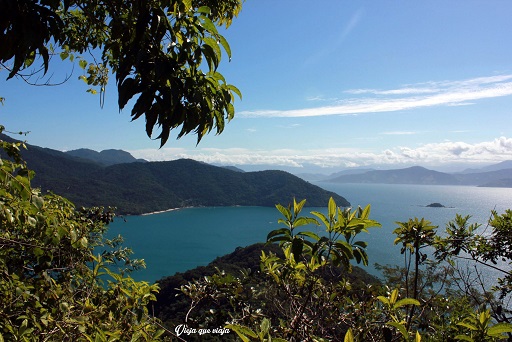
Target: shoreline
x,y
180,208
161,211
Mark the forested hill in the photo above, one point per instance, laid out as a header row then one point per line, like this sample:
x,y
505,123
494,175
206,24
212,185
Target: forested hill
x,y
105,157
136,188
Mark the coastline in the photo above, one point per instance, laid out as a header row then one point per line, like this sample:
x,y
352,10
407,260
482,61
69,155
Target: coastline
x,y
161,211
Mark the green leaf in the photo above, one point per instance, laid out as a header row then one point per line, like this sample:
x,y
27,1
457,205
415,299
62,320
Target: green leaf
x,y
322,218
331,208
73,236
467,325
344,247
404,302
23,327
64,55
393,296
297,207
310,235
235,90
136,336
83,242
302,221
211,52
279,239
277,232
357,255
384,300
349,337
401,328
362,244
360,255
225,45
38,201
284,211
499,329
207,24
265,326
242,332
38,252
365,213
100,336
126,91
464,338
83,64
204,10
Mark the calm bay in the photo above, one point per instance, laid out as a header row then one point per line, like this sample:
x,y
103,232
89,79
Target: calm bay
x,y
179,240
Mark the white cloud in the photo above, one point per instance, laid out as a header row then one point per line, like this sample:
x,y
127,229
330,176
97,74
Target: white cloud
x,y
399,133
429,154
400,91
445,93
448,152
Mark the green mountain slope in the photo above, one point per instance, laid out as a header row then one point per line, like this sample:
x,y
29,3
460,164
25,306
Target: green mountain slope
x,y
105,157
144,187
136,188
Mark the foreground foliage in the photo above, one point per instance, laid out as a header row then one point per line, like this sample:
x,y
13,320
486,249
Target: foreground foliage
x,y
164,54
303,296
60,279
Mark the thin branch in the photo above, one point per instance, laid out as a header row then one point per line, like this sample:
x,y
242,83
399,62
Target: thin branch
x,y
47,83
484,264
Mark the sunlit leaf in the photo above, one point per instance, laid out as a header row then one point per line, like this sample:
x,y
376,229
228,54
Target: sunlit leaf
x,y
401,328
404,302
499,328
349,337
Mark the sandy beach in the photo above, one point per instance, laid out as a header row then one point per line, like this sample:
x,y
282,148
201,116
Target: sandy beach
x,y
159,212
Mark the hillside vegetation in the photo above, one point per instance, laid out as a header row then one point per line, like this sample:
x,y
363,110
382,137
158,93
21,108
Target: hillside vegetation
x,y
105,157
141,187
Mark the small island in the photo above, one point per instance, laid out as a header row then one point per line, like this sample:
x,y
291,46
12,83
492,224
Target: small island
x,y
436,205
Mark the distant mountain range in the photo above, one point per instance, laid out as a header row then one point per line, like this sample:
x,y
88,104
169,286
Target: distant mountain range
x,y
499,175
140,187
105,157
507,164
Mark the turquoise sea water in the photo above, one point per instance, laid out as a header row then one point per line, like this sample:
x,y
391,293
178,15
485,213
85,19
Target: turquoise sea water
x,y
179,240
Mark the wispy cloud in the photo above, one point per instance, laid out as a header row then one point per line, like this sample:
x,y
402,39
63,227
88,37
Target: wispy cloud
x,y
399,133
352,23
445,93
400,91
337,38
446,152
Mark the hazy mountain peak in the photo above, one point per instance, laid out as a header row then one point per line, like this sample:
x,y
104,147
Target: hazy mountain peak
x,y
105,157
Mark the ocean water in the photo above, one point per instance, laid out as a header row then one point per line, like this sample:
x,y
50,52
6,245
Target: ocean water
x,y
179,240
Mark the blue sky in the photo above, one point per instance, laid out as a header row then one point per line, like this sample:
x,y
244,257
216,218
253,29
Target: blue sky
x,y
326,85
